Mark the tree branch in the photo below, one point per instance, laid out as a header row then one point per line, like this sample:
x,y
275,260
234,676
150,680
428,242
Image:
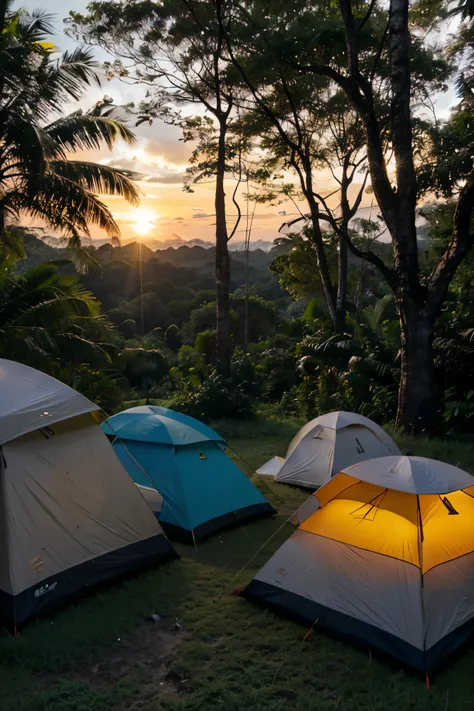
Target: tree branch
x,y
443,273
234,197
366,16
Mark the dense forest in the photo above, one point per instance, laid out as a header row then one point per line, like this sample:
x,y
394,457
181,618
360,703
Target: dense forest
x,y
158,338
373,315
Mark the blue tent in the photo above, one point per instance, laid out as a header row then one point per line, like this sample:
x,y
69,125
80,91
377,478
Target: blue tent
x,y
203,490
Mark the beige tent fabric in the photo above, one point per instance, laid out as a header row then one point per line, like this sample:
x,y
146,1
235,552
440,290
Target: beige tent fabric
x,y
371,588
66,499
354,444
310,464
152,496
328,444
448,597
340,420
272,467
30,399
415,475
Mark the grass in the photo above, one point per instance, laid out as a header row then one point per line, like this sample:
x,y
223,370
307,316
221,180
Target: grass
x,y
104,654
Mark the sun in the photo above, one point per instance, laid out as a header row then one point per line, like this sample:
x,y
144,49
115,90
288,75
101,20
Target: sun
x,y
144,221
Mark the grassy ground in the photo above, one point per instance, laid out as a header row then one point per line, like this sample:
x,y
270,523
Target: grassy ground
x,y
104,654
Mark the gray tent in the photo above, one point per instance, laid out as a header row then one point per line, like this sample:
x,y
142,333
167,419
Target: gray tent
x,y
71,517
326,445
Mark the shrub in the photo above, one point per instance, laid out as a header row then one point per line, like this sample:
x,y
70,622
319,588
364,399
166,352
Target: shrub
x,y
216,398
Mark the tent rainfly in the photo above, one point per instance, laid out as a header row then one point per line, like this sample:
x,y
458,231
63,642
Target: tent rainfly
x,y
325,446
71,516
386,561
203,490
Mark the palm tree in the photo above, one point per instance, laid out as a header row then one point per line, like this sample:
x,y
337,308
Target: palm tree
x,y
36,175
49,321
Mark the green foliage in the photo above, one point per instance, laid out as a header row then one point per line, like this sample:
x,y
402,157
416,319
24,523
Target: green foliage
x,y
173,337
146,312
220,397
49,321
143,368
102,388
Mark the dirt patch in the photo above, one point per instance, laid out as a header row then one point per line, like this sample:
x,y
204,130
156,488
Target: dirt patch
x,y
148,654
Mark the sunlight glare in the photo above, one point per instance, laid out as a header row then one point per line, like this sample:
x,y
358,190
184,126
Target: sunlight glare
x,y
144,221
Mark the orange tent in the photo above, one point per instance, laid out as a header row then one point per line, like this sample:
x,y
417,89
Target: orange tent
x,y
386,560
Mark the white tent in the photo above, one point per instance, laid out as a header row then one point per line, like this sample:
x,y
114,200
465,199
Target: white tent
x,y
385,559
71,517
326,445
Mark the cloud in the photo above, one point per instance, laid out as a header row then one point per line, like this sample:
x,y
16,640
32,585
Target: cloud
x,y
201,215
147,168
172,223
178,219
162,140
164,179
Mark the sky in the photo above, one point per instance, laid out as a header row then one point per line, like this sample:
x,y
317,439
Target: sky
x,y
166,211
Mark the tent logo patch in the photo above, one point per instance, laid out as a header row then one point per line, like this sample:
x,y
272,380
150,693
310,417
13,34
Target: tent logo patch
x,y
37,564
45,589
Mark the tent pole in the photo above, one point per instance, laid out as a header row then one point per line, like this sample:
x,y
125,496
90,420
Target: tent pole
x,y
421,539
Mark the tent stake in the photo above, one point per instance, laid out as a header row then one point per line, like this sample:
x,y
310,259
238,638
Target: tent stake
x,y
310,629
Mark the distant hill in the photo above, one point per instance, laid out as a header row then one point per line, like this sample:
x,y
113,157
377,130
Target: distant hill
x,y
38,251
174,242
176,280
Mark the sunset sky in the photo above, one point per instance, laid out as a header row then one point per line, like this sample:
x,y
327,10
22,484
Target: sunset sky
x,y
160,158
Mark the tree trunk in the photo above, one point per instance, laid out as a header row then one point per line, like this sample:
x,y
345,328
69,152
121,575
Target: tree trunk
x,y
417,394
3,247
324,271
341,303
222,269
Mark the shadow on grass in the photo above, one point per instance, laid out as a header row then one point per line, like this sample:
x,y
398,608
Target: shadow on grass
x,y
247,546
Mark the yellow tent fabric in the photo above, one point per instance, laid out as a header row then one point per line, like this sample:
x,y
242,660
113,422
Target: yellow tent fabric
x,y
425,530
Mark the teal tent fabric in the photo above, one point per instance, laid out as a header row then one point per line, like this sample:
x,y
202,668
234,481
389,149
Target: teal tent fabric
x,y
159,425
203,490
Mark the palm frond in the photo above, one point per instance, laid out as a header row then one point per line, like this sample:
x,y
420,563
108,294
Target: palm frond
x,y
67,206
465,8
25,147
35,26
36,338
82,348
97,178
73,71
80,131
468,334
51,313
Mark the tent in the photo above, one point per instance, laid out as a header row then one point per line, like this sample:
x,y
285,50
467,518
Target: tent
x,y
325,446
71,517
203,490
387,560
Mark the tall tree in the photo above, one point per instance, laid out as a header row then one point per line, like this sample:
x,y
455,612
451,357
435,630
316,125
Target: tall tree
x,y
37,176
321,133
177,49
374,53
